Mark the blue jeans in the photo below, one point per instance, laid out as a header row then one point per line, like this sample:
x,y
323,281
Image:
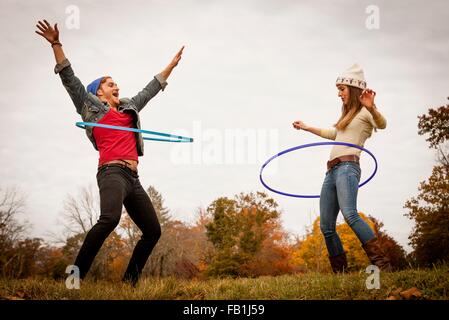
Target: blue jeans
x,y
339,192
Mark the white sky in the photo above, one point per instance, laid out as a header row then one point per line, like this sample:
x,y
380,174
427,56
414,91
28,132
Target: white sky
x,y
247,65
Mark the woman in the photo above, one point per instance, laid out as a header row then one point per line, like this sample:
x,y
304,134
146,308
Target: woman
x,y
117,176
339,191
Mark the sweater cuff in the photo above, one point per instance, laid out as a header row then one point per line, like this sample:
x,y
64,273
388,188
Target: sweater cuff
x,y
380,122
65,63
161,80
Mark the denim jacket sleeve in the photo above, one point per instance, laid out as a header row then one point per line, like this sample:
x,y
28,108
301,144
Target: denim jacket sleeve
x,y
72,84
147,93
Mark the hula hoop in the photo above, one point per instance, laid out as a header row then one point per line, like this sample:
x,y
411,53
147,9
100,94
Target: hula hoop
x,y
308,146
83,125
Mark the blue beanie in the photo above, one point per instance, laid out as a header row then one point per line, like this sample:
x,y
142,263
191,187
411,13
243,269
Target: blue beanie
x,y
93,86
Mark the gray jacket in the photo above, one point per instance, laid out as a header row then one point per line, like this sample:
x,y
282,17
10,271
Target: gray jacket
x,y
92,109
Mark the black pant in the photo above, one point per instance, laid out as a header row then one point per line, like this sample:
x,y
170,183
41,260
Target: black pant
x,y
121,186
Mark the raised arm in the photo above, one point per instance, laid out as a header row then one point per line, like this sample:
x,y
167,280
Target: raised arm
x,y
166,72
367,99
52,36
72,84
158,83
323,133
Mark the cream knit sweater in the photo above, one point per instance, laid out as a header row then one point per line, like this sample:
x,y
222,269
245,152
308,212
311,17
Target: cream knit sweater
x,y
357,131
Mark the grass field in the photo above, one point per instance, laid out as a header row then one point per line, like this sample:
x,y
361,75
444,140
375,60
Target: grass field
x,y
432,284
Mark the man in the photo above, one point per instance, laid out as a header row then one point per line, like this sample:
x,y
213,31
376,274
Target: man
x,y
117,176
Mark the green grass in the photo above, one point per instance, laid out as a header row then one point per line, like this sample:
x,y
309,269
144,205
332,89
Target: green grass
x,y
432,283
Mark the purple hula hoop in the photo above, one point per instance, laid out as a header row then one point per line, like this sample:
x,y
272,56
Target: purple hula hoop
x,y
308,146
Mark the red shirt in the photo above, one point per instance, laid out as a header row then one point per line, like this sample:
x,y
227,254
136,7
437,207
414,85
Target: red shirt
x,y
115,144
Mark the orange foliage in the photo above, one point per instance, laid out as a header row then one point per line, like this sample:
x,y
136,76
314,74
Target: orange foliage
x,y
311,253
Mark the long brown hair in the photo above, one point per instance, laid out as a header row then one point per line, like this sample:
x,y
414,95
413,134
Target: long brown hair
x,y
349,111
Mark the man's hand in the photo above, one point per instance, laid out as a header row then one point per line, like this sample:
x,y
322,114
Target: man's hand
x,y
176,59
166,72
49,33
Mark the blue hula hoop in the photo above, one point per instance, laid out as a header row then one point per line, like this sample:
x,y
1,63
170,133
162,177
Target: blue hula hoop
x,y
308,146
83,125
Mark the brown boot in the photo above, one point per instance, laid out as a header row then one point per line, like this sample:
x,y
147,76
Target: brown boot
x,y
376,255
339,263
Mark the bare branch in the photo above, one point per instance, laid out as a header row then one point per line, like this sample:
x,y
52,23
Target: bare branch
x,y
11,205
81,212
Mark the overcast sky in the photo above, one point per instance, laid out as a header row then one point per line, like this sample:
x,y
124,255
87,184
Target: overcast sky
x,y
248,65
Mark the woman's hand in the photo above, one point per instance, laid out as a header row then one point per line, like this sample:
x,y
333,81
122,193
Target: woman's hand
x,y
300,125
367,99
49,33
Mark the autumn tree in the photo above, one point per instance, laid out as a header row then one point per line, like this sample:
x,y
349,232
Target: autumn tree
x,y
23,262
435,124
201,248
430,209
240,230
50,262
183,250
274,255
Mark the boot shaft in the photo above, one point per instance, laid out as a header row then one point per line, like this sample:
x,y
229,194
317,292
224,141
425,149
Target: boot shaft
x,y
376,255
339,263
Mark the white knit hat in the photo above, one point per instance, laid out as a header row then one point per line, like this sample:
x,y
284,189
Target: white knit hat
x,y
353,77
